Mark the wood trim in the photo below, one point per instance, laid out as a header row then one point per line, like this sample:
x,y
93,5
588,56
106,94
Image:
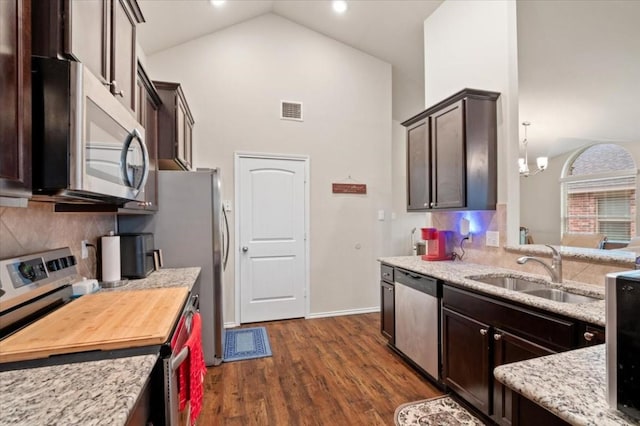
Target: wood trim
x,y
137,12
464,93
152,92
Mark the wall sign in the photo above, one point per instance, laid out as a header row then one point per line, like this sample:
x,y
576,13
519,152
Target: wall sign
x,y
349,188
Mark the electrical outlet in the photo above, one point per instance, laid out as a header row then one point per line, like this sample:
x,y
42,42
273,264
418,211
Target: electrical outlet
x,y
469,237
493,239
84,251
227,205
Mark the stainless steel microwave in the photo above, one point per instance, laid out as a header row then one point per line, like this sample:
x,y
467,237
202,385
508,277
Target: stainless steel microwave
x,y
623,342
87,147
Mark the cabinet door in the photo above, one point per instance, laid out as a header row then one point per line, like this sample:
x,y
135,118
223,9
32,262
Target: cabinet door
x,y
387,311
147,106
418,170
465,351
181,117
188,140
151,135
15,98
123,54
88,39
448,157
510,348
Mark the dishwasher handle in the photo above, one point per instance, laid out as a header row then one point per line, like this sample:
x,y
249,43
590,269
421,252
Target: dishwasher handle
x,y
422,283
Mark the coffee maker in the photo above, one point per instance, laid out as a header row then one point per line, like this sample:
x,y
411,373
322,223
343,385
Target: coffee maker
x,y
439,244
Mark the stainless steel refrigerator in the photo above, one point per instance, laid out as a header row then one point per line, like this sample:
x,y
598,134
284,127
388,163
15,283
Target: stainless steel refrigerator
x,y
191,228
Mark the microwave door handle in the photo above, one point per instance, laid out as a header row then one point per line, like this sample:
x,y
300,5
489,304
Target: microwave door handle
x,y
135,134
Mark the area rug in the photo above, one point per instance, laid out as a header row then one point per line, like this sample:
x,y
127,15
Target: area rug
x,y
440,411
246,343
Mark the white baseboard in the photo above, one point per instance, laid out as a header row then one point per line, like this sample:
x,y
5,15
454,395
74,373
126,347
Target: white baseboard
x,y
232,324
345,312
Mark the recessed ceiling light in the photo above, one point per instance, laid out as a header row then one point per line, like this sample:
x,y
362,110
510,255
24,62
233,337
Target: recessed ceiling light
x,y
340,6
217,3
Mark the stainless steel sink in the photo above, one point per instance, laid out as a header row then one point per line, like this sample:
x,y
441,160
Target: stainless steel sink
x,y
510,282
560,295
532,287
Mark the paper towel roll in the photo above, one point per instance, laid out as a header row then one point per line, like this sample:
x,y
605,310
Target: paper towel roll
x,y
111,258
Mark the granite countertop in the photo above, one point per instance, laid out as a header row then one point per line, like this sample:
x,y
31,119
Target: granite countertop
x,y
163,278
87,393
456,272
571,385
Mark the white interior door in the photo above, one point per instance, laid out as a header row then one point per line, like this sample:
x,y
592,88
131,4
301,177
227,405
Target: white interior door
x,y
272,252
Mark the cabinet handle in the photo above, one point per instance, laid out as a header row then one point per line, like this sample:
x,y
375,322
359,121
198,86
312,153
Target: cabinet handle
x,y
145,203
483,331
114,89
497,336
588,336
389,289
432,204
425,204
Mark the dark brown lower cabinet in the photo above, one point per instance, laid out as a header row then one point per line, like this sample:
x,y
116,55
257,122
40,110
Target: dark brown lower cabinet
x,y
509,348
528,413
465,354
387,311
480,333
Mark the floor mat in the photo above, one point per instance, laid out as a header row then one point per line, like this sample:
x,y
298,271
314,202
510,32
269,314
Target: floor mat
x,y
440,411
246,343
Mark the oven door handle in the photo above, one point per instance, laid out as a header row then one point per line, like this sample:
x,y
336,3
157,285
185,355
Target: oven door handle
x,y
180,358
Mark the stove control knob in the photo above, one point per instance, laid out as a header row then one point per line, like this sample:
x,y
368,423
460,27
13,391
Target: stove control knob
x,y
27,271
63,262
71,260
53,265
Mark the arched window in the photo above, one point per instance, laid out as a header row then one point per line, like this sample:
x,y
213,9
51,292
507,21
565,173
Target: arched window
x,y
599,193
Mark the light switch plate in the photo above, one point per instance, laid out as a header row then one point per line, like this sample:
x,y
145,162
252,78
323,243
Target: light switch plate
x,y
493,239
380,214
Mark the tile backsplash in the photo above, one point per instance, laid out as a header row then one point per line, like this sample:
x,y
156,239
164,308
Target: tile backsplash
x,y
39,228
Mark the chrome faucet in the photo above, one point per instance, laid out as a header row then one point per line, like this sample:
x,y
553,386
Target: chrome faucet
x,y
555,270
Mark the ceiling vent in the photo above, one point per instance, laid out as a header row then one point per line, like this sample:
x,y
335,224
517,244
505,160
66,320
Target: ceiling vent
x,y
290,110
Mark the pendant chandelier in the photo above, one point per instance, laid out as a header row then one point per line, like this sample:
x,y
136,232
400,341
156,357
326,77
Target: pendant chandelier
x,y
523,163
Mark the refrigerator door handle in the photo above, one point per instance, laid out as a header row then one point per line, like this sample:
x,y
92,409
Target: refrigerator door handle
x,y
225,239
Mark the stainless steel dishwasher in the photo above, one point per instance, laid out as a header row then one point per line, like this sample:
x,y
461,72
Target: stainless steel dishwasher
x,y
417,311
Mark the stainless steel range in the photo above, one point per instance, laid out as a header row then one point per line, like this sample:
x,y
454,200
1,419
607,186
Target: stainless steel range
x,y
37,311
33,285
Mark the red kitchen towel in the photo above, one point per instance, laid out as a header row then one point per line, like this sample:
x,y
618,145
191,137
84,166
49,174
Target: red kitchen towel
x,y
193,370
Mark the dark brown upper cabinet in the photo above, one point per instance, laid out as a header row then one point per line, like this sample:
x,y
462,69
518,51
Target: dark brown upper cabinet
x,y
451,154
15,102
175,128
147,107
99,33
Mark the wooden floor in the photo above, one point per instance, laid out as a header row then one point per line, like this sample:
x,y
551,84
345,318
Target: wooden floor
x,y
326,371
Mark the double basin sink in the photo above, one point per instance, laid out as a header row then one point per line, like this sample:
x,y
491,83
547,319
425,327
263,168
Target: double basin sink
x,y
533,288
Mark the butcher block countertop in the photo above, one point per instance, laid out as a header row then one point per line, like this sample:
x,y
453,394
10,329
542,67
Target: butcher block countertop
x,y
88,393
101,321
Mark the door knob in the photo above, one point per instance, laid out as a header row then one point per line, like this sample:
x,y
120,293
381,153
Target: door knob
x,y
245,249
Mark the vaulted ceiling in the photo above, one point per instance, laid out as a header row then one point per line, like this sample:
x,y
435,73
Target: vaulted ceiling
x,y
391,30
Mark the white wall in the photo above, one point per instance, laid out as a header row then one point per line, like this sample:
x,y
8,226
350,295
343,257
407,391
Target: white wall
x,y
473,44
234,80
